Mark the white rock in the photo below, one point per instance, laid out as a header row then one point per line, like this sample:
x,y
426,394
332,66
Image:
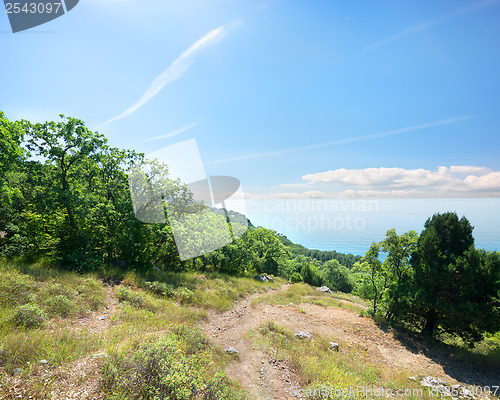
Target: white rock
x,y
230,350
334,346
303,335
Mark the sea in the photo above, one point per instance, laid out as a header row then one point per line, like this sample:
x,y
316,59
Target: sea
x,y
351,225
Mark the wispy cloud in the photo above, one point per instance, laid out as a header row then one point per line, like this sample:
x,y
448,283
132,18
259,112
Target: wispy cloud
x,y
171,134
177,68
429,23
347,140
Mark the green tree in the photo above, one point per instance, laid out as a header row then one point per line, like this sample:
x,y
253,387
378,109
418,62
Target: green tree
x,y
397,267
455,287
338,276
11,157
11,152
379,278
313,274
265,251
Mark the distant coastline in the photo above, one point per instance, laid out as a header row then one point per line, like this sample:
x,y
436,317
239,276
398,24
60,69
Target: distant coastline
x,y
324,225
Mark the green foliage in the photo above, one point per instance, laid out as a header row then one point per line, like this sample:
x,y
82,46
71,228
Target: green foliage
x,y
58,293
16,288
136,298
378,276
312,274
347,260
338,276
74,208
183,294
59,305
296,278
181,365
453,288
11,152
29,316
160,288
91,293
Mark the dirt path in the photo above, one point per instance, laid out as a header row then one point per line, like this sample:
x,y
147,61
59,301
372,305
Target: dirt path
x,y
267,379
100,320
256,371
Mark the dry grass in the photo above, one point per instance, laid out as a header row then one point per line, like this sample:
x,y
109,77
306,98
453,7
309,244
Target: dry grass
x,y
300,293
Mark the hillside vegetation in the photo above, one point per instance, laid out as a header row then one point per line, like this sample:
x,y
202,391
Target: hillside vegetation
x,y
95,301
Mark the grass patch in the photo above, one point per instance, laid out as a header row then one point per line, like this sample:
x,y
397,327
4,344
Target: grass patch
x,y
31,296
180,365
23,348
299,293
485,353
211,290
58,293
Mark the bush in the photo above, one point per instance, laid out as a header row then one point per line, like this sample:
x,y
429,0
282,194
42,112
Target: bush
x,y
136,298
59,305
15,288
92,293
178,366
184,295
160,288
296,278
29,316
58,289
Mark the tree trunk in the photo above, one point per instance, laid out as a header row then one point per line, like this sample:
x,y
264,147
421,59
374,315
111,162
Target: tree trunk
x,y
430,322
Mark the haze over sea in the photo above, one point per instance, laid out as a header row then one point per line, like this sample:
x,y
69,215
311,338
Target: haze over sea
x,y
351,225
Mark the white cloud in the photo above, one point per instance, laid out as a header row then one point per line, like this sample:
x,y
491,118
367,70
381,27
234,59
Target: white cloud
x,y
312,194
380,194
399,182
469,170
177,68
488,182
454,177
444,182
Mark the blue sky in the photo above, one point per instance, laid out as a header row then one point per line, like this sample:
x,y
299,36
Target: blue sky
x,y
316,99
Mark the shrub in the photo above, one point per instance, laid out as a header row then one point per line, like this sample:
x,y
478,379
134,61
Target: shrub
x,y
29,316
92,293
59,305
15,288
136,298
178,366
184,295
58,289
296,278
160,288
